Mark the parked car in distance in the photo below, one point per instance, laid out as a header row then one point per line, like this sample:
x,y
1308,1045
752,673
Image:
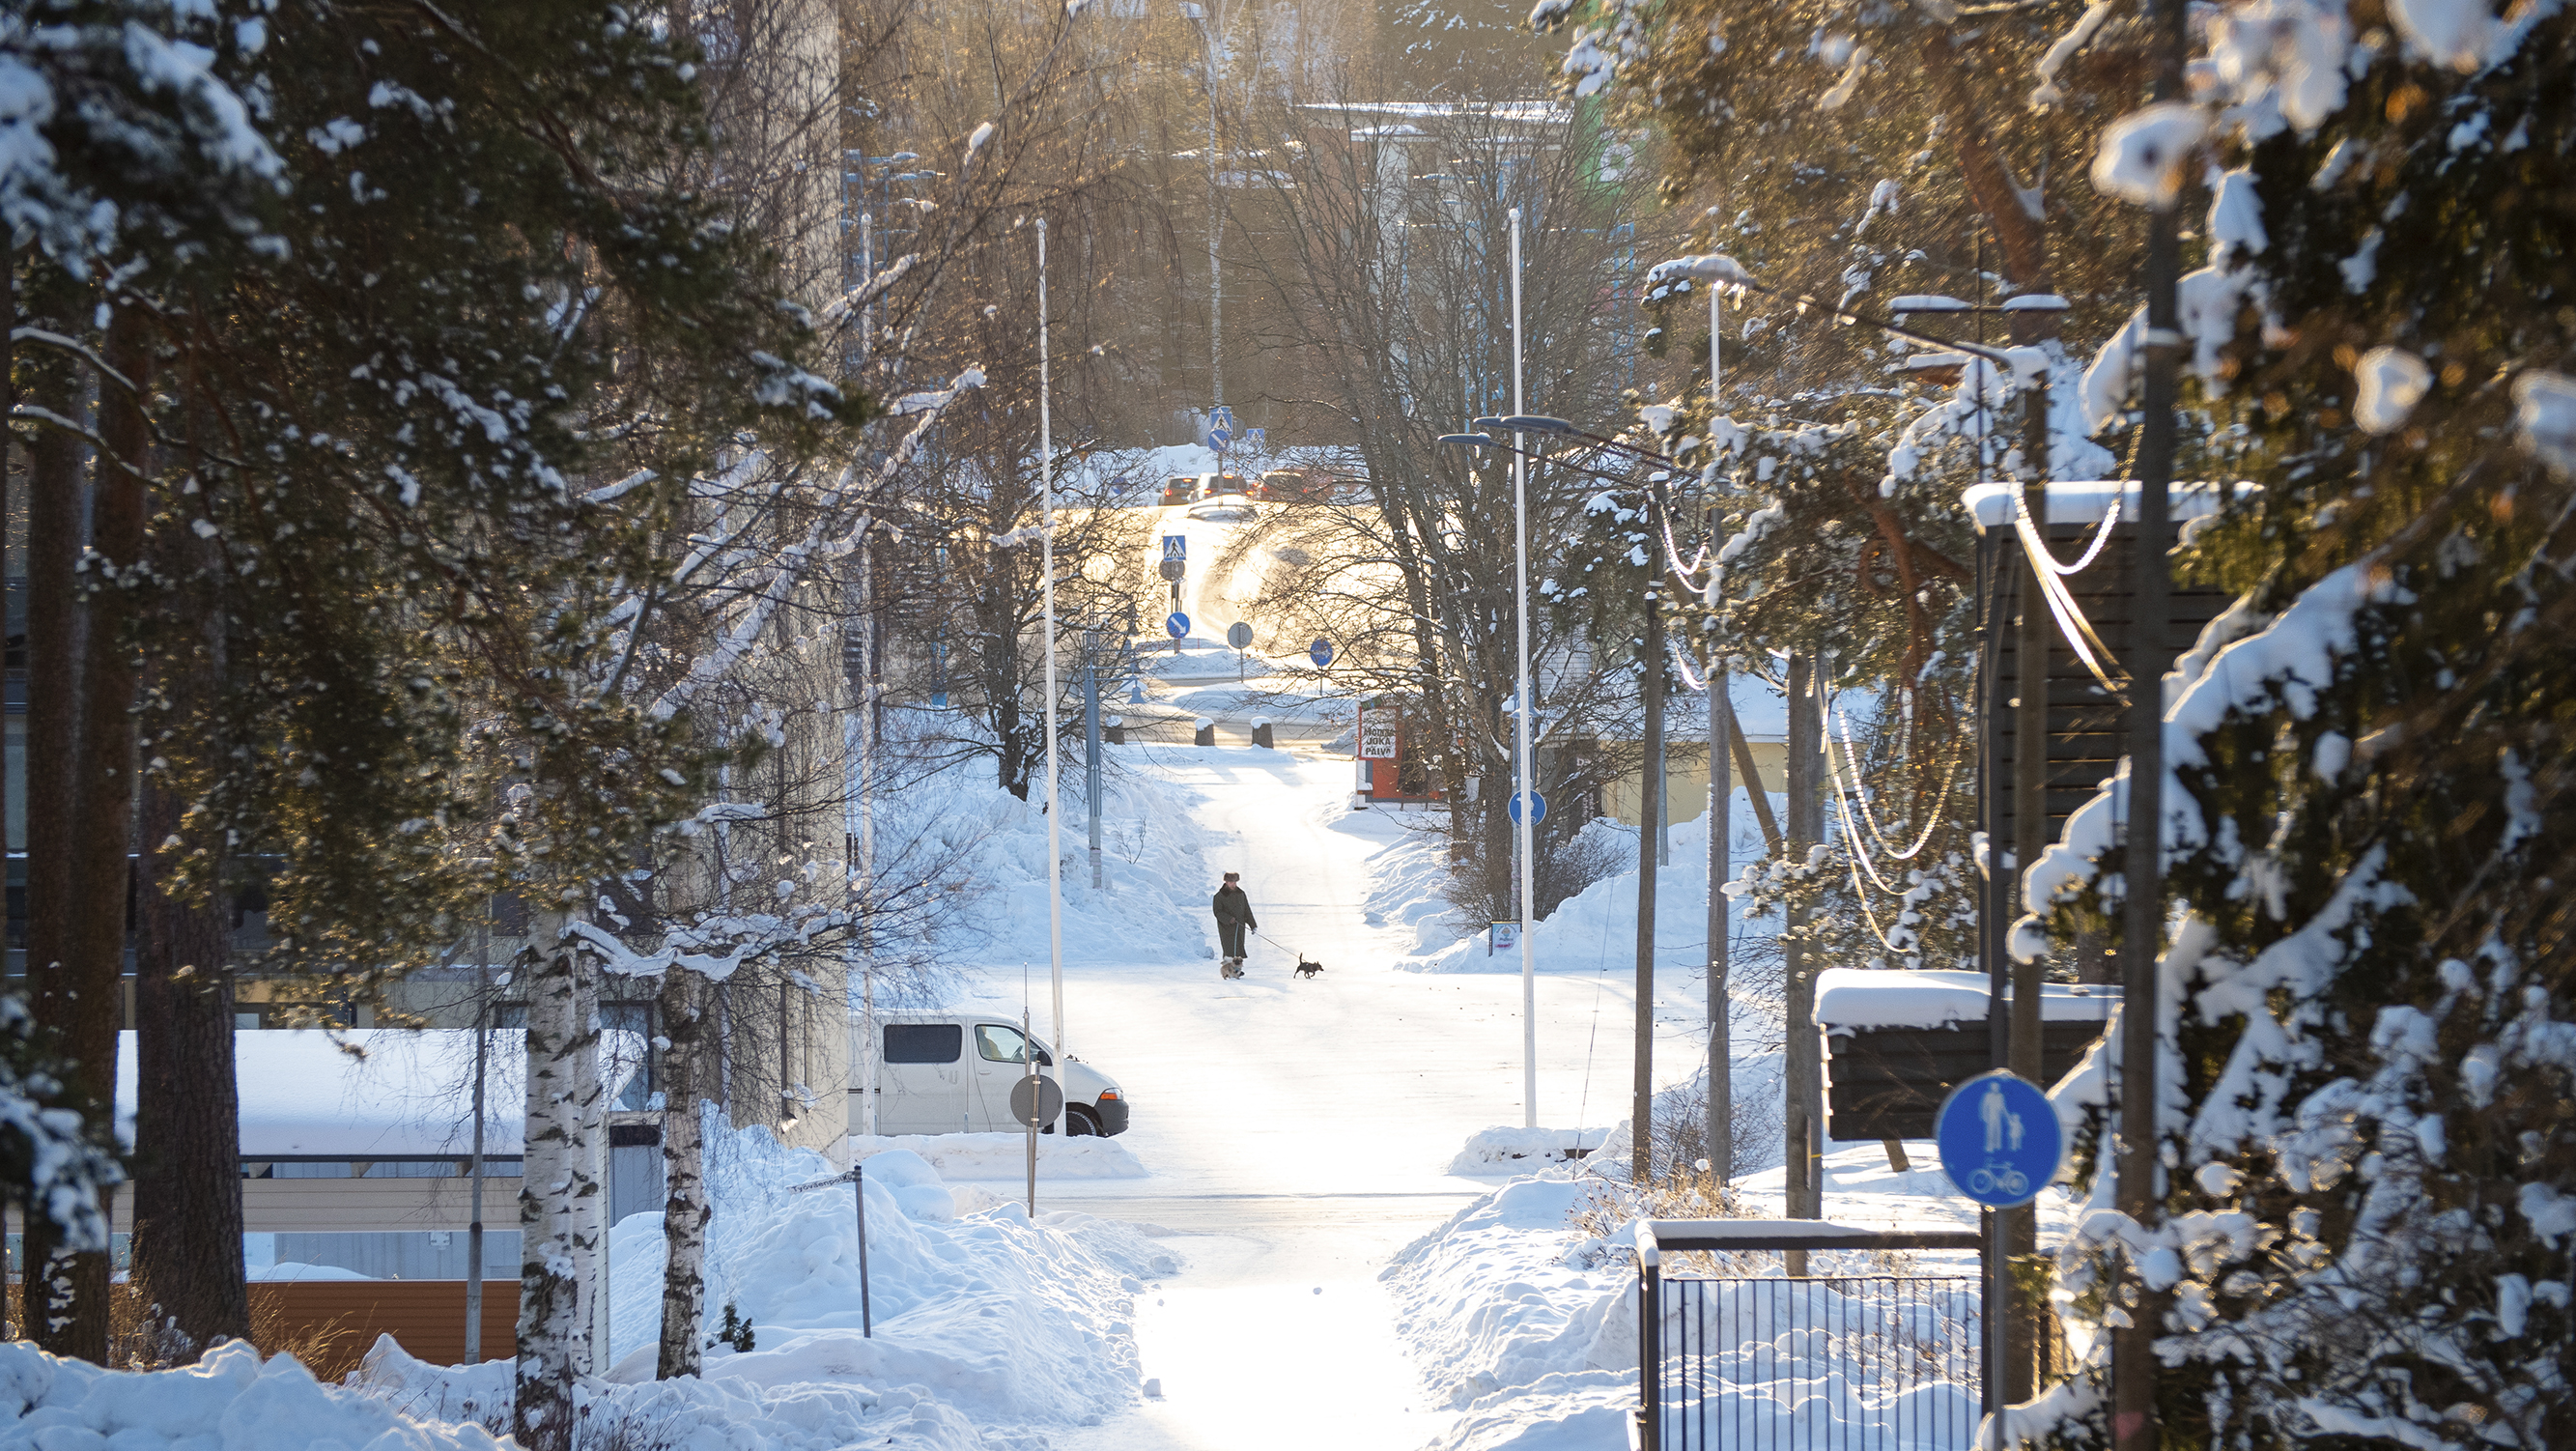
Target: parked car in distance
x,y
1226,508
946,1073
1296,486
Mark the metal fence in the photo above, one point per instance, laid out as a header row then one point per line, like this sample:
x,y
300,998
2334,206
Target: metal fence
x,y
1805,1363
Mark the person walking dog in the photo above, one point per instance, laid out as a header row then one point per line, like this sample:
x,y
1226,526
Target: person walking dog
x,y
1233,918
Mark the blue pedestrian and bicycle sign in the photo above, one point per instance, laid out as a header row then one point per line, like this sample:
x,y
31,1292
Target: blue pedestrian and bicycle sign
x,y
1321,652
2000,1142
1178,624
1538,808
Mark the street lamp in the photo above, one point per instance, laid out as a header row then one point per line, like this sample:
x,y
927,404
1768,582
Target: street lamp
x,y
1197,14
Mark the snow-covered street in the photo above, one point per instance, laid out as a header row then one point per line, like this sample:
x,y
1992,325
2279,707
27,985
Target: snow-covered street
x,y
1298,1132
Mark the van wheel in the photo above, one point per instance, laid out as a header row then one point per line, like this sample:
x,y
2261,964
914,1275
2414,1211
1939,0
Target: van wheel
x,y
1079,1123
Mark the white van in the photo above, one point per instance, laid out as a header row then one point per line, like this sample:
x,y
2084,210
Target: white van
x,y
946,1073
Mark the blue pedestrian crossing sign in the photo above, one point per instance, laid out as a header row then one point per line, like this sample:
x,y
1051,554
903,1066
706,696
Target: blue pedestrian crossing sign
x,y
1321,652
1176,548
2000,1141
1178,624
1538,808
1221,417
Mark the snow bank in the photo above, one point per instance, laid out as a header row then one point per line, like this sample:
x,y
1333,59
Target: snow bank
x,y
1596,930
1491,1303
982,1320
958,826
227,1401
1005,1156
1503,1149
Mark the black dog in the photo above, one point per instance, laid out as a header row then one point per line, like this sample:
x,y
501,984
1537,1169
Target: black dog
x,y
1307,969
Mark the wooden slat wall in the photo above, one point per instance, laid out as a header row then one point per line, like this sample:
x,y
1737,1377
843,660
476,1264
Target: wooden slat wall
x,y
1888,1083
425,1317
2086,729
330,1206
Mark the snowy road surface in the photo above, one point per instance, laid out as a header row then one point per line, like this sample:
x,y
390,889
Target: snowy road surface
x,y
1298,1132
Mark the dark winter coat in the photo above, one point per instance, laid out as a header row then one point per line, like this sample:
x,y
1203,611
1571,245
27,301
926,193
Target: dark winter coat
x,y
1232,906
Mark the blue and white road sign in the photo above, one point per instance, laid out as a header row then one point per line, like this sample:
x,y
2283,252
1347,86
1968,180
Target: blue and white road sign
x,y
1220,437
1256,439
1178,624
1176,548
2000,1142
1538,808
1321,652
1221,417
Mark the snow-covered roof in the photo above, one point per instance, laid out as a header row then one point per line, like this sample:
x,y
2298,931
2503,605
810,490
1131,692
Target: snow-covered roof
x,y
1861,997
378,1093
2083,501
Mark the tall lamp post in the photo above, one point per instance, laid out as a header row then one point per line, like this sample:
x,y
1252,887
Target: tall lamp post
x,y
1521,426
1527,812
1198,15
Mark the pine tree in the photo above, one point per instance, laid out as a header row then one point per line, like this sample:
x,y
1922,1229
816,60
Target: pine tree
x,y
2368,1061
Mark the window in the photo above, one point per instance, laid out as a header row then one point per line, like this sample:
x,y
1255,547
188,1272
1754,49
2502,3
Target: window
x,y
1001,1045
640,1019
924,1042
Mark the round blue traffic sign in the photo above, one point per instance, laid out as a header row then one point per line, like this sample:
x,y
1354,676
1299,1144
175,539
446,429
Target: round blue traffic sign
x,y
1538,808
1321,652
2000,1142
1178,624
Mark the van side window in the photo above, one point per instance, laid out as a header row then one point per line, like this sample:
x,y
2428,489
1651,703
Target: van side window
x,y
924,1042
1000,1045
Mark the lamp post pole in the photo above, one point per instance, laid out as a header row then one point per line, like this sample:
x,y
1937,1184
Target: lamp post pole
x,y
1216,215
1046,566
1521,718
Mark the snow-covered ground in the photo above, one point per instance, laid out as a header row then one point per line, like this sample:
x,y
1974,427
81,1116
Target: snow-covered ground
x,y
1316,1231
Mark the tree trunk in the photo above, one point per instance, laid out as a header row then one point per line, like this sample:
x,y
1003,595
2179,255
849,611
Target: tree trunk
x,y
685,1214
556,1175
53,724
187,1130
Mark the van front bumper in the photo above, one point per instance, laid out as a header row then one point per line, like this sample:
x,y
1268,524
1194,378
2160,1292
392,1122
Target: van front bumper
x,y
1113,1115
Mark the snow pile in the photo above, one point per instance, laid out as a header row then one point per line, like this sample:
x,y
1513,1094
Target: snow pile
x,y
1596,930
1408,878
982,1320
989,848
227,1401
1510,1150
1510,1325
1005,1155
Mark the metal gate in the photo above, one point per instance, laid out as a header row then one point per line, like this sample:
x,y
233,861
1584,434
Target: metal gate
x,y
1805,1363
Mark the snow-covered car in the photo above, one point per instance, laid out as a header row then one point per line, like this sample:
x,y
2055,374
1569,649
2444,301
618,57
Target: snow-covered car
x,y
945,1073
1226,508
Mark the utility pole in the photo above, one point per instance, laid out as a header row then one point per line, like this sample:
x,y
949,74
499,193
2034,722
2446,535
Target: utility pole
x,y
1721,867
2030,837
2133,1360
1650,662
1806,1074
1721,1057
